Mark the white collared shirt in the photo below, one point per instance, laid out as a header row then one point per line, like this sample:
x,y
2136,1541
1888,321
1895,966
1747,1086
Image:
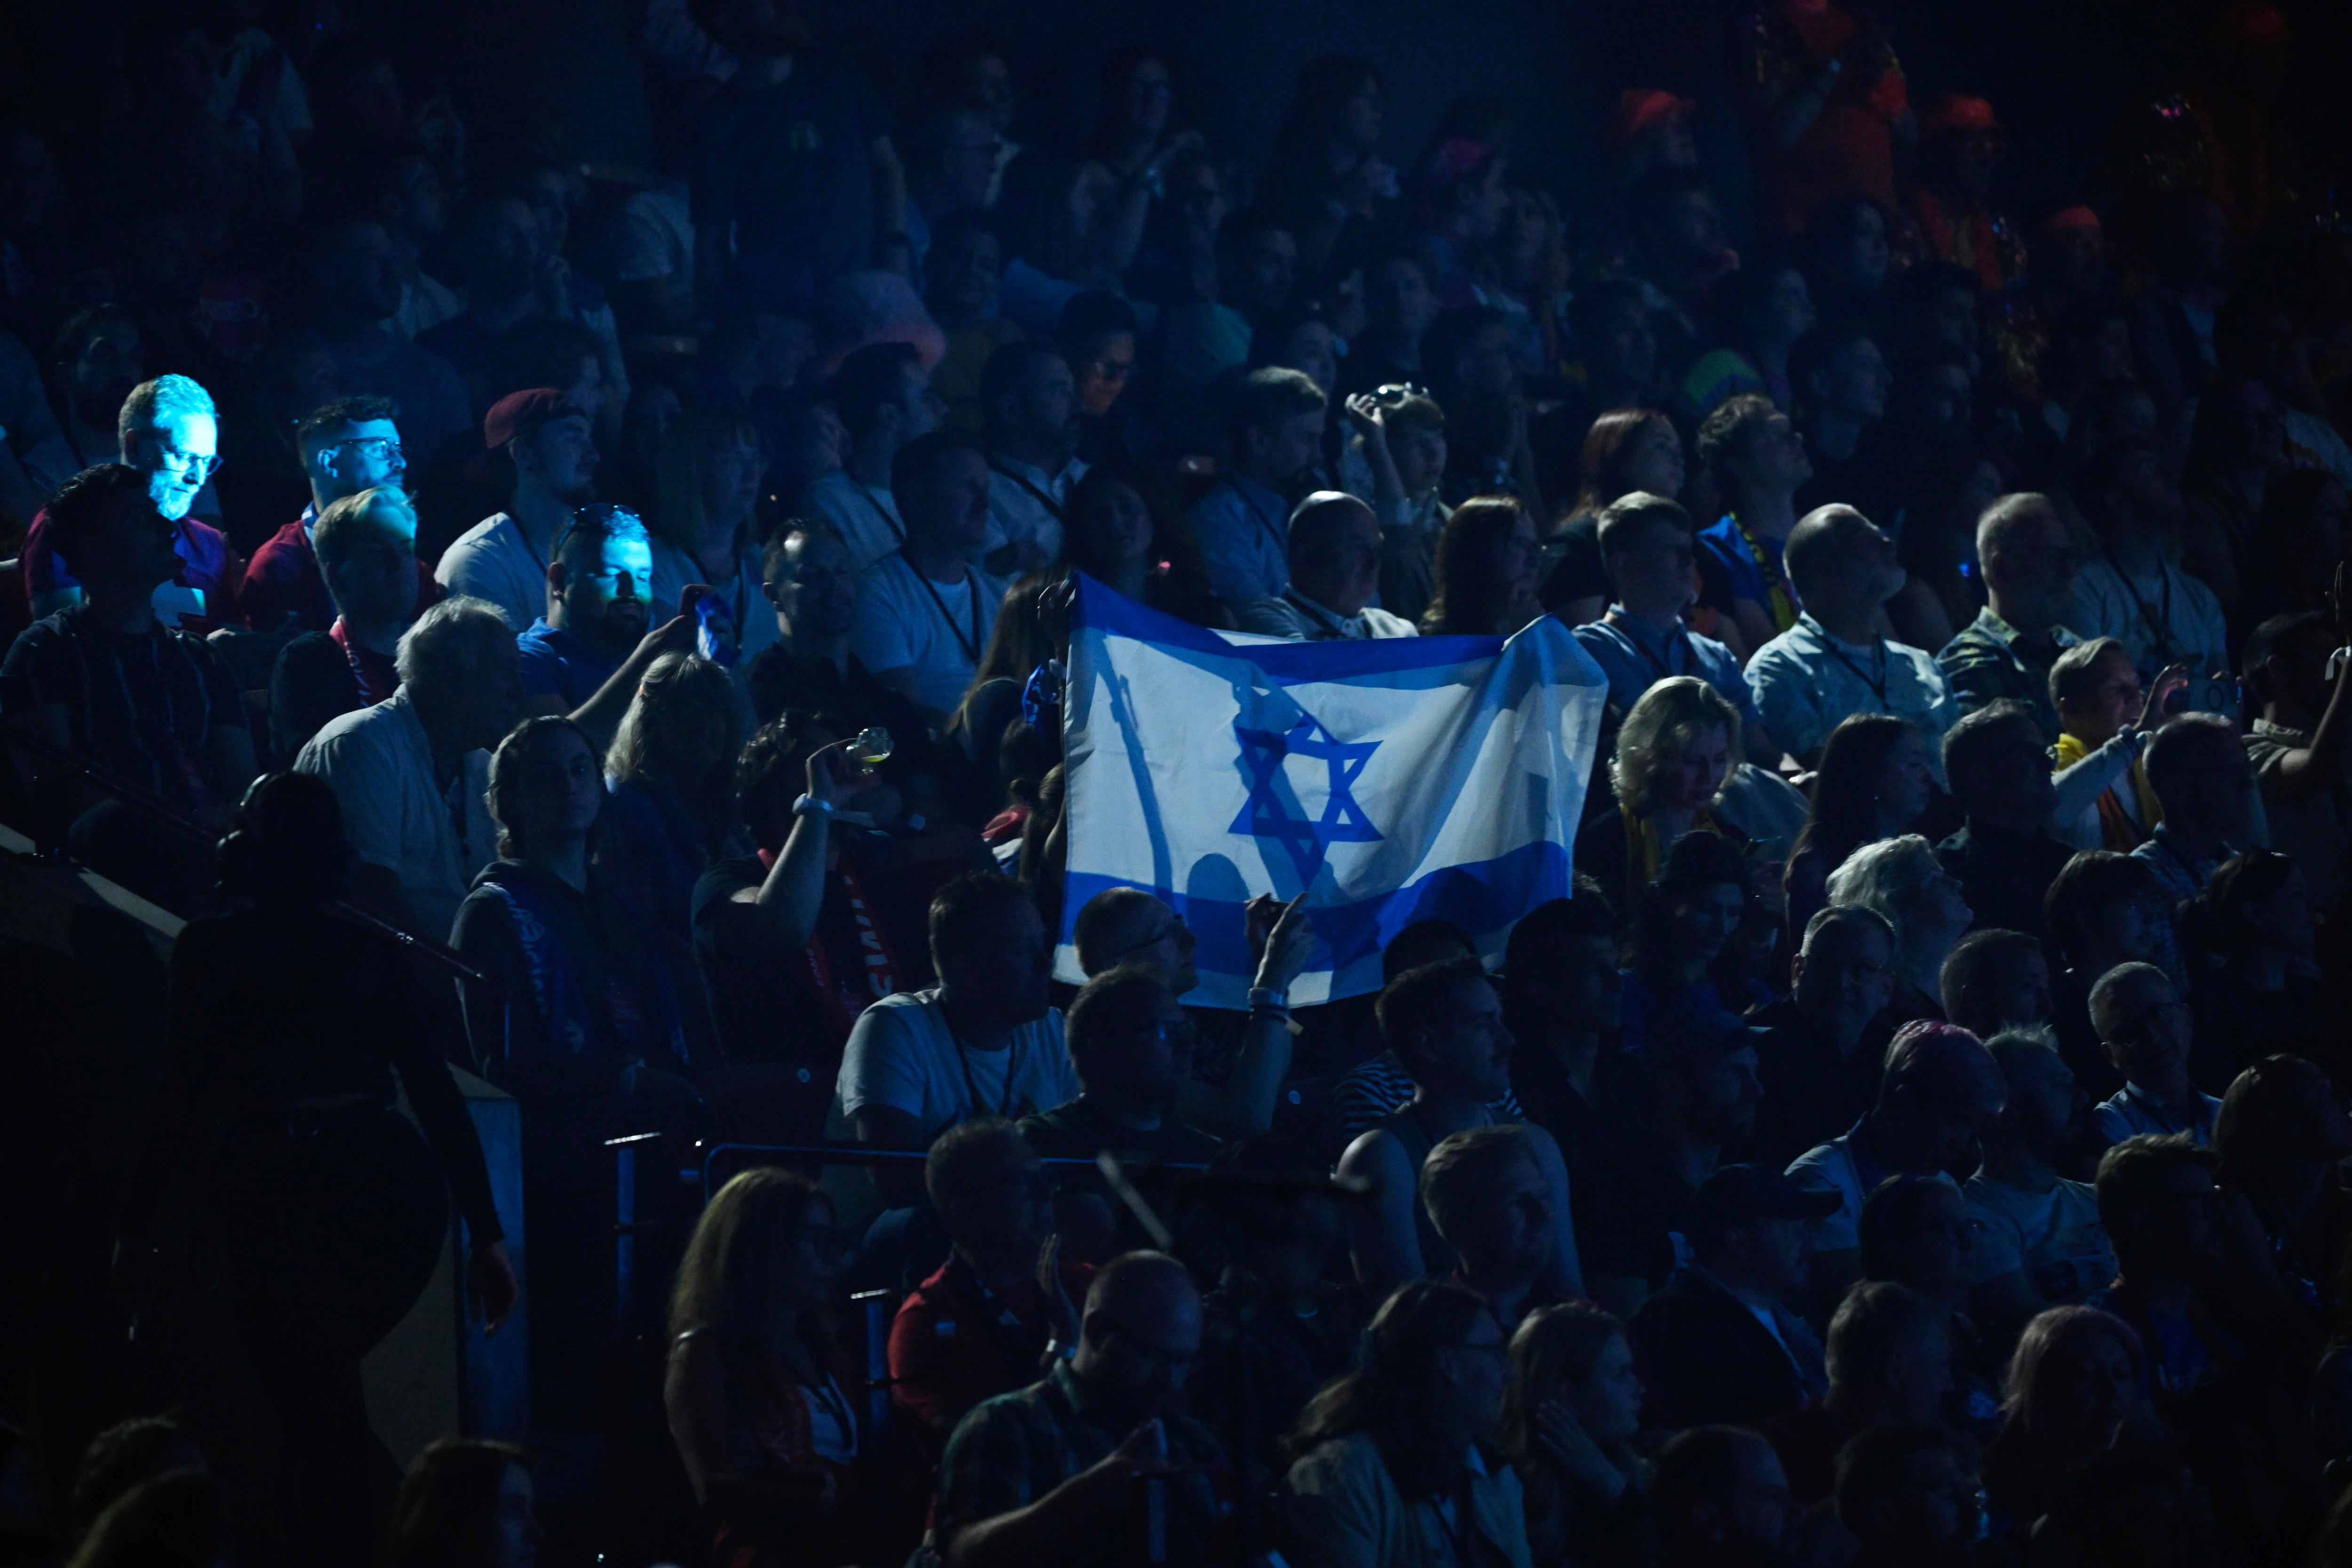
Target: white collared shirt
x,y
1025,503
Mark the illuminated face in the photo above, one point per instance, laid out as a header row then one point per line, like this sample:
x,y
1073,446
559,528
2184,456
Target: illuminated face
x,y
606,593
178,453
359,456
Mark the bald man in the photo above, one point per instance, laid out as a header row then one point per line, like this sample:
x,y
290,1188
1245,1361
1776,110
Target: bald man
x,y
1335,575
1061,1472
1128,925
2027,555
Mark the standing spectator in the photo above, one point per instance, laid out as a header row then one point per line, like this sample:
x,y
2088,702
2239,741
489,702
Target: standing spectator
x,y
1568,1424
2205,787
2132,592
2026,553
1391,1464
925,612
795,180
1275,429
1046,1476
2003,856
1899,878
1938,1092
1758,463
1325,177
1833,663
355,293
2296,745
1483,581
2147,1033
1721,1499
547,446
2040,1243
1029,399
1334,563
412,773
885,402
169,432
1819,1061
349,446
1827,102
1723,1341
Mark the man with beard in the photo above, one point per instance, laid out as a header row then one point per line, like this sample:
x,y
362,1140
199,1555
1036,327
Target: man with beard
x,y
2039,1242
587,655
1444,1022
1833,662
1489,1200
349,446
1031,398
503,558
810,581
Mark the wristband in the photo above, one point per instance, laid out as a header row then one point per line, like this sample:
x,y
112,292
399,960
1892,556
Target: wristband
x,y
1266,999
809,804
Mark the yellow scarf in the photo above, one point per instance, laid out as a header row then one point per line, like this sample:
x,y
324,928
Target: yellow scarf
x,y
1645,856
2071,749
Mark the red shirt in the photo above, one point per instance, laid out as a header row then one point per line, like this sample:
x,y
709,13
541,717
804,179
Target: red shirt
x,y
955,1342
283,578
207,564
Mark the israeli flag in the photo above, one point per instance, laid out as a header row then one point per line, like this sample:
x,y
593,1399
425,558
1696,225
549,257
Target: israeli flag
x,y
1394,780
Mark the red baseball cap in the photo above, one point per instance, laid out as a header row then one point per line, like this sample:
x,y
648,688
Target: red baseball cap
x,y
1958,111
523,412
1640,108
2072,218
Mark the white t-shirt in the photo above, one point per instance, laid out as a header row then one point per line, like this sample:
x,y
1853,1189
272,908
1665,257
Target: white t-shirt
x,y
1025,503
865,515
2055,1237
937,629
492,561
901,1054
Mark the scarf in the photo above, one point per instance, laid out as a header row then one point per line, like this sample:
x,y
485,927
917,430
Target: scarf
x,y
2117,831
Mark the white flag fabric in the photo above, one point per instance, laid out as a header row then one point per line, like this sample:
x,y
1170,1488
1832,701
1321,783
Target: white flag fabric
x,y
1395,780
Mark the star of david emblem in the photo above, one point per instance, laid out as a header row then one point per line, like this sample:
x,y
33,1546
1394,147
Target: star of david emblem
x,y
1273,810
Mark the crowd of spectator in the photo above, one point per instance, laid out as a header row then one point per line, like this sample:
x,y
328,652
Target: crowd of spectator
x,y
1917,1143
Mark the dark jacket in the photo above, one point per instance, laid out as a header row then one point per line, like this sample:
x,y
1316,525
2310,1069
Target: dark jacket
x,y
1707,1361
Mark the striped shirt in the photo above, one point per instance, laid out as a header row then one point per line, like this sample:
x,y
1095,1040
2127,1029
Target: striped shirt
x,y
1379,1085
140,707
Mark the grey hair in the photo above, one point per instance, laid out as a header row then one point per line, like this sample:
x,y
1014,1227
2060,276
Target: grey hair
x,y
153,402
1666,717
1885,878
2106,1005
444,643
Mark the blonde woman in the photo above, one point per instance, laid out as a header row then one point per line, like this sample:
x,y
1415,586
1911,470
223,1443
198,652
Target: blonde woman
x,y
1674,752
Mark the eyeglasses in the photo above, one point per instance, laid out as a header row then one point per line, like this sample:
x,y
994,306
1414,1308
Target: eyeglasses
x,y
181,464
382,448
1398,391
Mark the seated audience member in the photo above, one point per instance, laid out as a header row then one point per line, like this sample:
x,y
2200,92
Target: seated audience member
x,y
755,1405
542,438
2104,909
124,1457
1994,980
1130,541
1404,439
1483,576
884,401
464,1500
2131,589
2258,984
168,432
2297,746
977,1327
587,653
1876,780
1275,431
1889,1362
1819,1053
983,1042
349,446
1683,926
2039,1242
1627,451
280,1009
1561,996
1645,547
1909,1496
1444,1025
1899,879
925,612
1379,1084
1049,1475
2281,1137
1334,573
2204,787
2147,1032
670,769
364,548
1568,1423
412,773
811,586
1723,1341
797,938
180,1518
1938,1091
1757,460
1635,1203
2026,553
1031,400
1677,745
2074,1393
1833,662
1721,1499
2003,856
1841,382
1486,1193
1395,1463
2104,717
106,679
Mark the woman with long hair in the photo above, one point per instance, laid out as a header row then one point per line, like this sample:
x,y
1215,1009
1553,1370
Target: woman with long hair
x,y
1627,450
1681,929
707,464
1674,749
1325,175
1484,581
670,772
1568,1421
1875,782
291,1018
1390,1464
2074,1386
1121,530
768,1436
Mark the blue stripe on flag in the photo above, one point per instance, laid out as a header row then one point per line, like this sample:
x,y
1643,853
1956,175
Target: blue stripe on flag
x,y
1115,615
